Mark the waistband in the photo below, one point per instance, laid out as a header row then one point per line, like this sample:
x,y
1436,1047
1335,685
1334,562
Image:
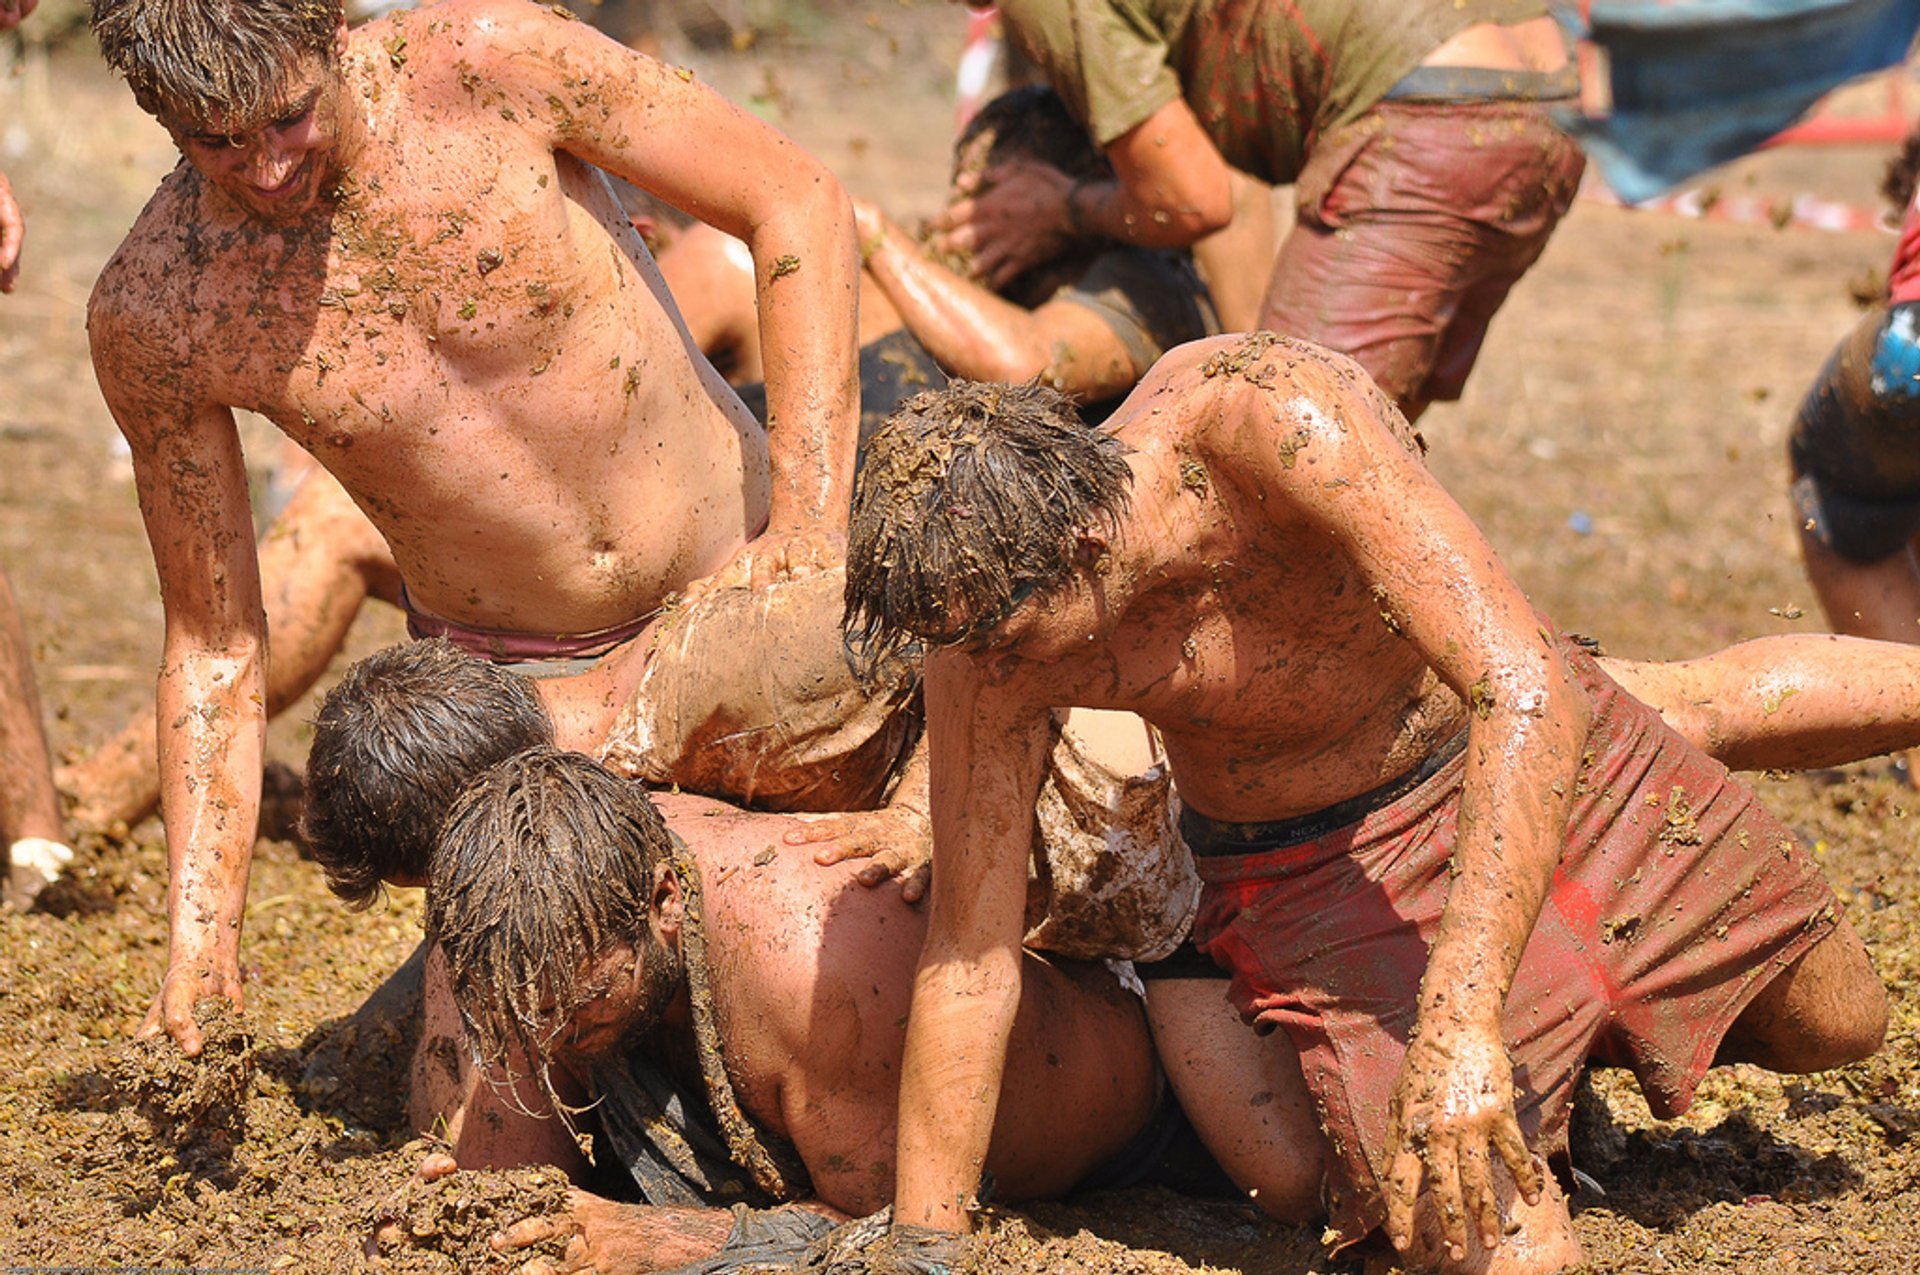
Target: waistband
x,y
1484,84
505,646
1206,836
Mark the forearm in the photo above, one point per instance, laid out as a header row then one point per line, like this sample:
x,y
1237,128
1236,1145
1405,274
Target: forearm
x,y
806,269
1522,759
1150,217
970,330
950,1078
212,731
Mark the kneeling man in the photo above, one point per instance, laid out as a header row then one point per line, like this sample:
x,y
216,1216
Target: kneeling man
x,y
1442,850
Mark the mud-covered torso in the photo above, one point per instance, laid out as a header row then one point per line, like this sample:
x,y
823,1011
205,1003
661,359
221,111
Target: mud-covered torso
x,y
476,343
1278,680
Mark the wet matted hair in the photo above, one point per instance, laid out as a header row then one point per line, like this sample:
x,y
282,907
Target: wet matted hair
x,y
971,499
1032,122
544,866
194,61
394,743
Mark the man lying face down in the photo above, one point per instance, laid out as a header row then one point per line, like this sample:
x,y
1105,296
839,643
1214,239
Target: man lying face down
x,y
660,953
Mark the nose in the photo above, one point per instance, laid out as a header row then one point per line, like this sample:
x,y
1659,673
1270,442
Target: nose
x,y
269,162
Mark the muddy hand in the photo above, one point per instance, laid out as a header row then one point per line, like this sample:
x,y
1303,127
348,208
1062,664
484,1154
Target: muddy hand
x,y
899,843
189,980
13,228
1015,221
387,1218
1453,1101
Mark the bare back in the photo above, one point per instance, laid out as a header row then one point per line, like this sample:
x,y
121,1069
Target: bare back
x,y
813,975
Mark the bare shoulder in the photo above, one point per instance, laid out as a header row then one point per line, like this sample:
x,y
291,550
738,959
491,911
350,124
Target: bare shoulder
x,y
485,33
143,290
1271,393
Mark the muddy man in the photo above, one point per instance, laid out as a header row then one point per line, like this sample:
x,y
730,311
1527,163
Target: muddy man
x,y
393,244
1445,857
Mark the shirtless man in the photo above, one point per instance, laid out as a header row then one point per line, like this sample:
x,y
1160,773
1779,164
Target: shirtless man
x,y
1427,176
390,243
810,974
1379,748
1091,324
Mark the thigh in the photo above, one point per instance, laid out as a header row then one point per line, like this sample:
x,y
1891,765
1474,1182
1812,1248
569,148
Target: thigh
x,y
1244,1094
1825,1009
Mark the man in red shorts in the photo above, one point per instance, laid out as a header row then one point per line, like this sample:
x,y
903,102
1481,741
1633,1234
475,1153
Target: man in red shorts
x,y
1426,173
1441,849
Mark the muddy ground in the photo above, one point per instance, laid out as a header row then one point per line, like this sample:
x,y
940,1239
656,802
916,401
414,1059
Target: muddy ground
x,y
1622,444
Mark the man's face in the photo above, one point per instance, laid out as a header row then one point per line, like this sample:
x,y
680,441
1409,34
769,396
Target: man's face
x,y
279,169
630,992
1042,627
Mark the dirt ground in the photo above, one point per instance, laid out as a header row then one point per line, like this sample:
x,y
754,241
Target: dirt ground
x,y
1622,443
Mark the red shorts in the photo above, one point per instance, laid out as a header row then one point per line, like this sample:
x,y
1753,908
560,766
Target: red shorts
x,y
1414,222
1678,898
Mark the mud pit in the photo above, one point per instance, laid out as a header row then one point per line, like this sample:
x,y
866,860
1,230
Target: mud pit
x,y
1622,443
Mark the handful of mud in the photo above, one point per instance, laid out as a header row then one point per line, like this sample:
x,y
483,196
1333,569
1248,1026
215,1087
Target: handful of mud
x,y
198,1106
429,1228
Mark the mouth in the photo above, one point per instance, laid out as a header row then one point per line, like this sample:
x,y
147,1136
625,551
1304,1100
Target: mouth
x,y
288,187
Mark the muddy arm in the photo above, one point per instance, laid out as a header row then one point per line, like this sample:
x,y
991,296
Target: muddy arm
x,y
657,128
191,482
989,750
1788,702
1325,445
977,334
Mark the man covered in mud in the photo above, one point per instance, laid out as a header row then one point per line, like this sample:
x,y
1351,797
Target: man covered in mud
x,y
597,953
1427,175
392,244
1443,851
1091,324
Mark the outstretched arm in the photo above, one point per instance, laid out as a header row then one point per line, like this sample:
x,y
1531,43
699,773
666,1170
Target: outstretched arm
x,y
1788,702
191,482
654,126
989,751
1329,448
981,335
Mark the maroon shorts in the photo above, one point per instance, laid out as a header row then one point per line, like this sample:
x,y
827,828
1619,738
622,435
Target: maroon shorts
x,y
1678,898
1414,221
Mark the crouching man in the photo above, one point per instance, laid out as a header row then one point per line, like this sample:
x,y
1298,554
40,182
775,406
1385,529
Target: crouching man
x,y
1442,850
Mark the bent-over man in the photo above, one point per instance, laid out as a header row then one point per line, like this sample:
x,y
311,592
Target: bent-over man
x,y
1441,849
392,243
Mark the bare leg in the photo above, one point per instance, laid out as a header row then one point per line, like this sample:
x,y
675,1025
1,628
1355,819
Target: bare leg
x,y
318,562
1826,1009
29,806
1244,1094
1789,702
1235,260
1876,600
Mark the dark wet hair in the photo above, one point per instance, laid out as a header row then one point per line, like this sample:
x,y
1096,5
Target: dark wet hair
x,y
545,864
1033,123
394,743
192,61
972,498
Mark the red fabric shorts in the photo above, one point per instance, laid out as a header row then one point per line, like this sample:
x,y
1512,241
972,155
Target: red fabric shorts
x,y
1678,898
1414,222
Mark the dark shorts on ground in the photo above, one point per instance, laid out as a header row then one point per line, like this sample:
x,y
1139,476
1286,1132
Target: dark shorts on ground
x,y
1856,442
1414,222
1678,899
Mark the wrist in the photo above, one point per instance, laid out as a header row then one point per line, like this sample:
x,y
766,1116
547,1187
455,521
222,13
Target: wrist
x,y
1077,224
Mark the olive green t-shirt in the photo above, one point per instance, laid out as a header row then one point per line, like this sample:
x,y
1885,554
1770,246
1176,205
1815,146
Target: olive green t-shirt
x,y
1265,77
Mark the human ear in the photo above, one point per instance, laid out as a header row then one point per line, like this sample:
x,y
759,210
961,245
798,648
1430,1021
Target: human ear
x,y
665,903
